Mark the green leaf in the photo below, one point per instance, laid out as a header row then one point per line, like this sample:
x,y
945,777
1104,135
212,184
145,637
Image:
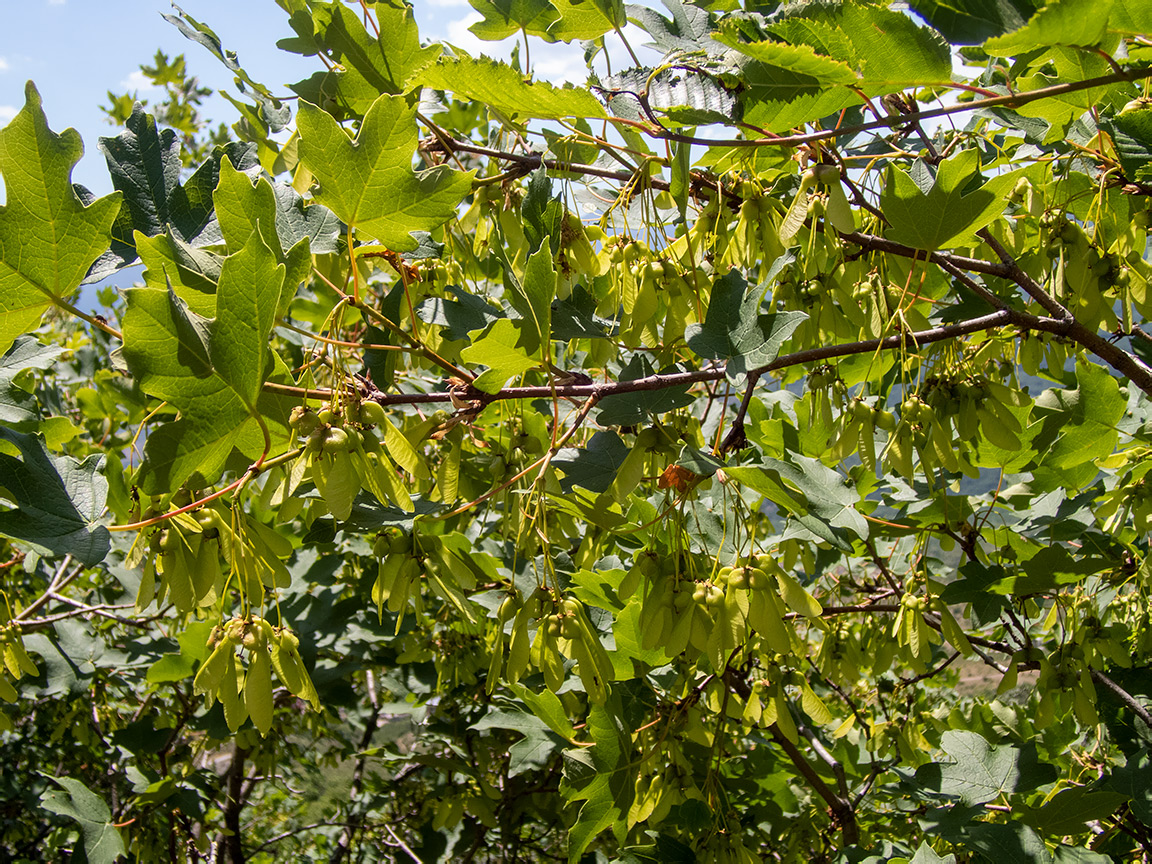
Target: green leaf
x,y
246,303
535,749
102,841
885,47
734,330
1130,18
193,274
504,18
48,238
825,505
801,61
211,370
1011,843
609,793
1064,854
1078,426
58,500
386,64
532,298
18,405
244,209
1059,22
1069,810
547,706
170,667
369,182
927,855
894,53
950,211
499,349
144,162
507,91
780,99
980,771
586,19
970,22
1132,134
542,214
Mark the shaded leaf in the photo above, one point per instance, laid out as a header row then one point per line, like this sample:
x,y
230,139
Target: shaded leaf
x,y
970,22
144,162
734,330
593,466
461,316
58,500
980,771
17,405
630,409
532,751
102,841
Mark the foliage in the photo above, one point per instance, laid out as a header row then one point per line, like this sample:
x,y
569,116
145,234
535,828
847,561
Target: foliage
x,y
743,457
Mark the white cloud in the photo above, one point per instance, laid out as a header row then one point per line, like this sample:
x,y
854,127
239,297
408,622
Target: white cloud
x,y
57,2
137,81
7,112
4,64
459,35
553,62
447,3
559,63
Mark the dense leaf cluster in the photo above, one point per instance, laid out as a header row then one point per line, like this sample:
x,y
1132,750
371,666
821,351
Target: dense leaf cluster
x,y
743,457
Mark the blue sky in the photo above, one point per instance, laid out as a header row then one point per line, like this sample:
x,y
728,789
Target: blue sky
x,y
78,50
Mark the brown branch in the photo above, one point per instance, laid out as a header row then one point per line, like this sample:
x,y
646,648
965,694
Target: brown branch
x,y
1033,288
842,810
1012,100
232,840
831,761
1128,365
1123,695
1000,318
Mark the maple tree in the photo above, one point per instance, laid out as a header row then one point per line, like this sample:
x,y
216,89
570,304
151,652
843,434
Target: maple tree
x,y
742,457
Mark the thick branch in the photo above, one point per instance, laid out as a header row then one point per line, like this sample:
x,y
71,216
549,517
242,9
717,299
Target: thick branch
x,y
841,809
1033,288
1011,100
912,339
1124,696
232,842
1126,364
